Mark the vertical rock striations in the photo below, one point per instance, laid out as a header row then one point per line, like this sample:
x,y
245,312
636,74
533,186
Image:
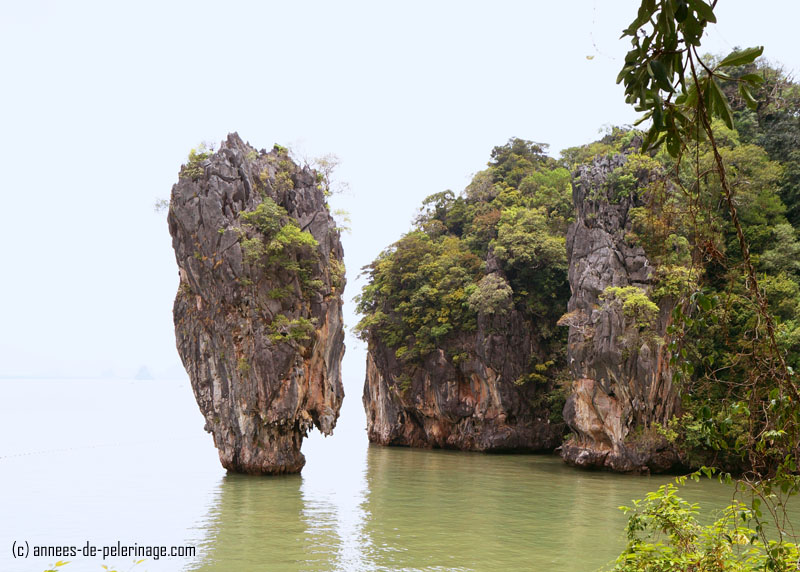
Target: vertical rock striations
x,y
473,404
258,316
622,381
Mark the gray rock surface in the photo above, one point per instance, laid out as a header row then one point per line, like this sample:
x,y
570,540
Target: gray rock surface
x,y
622,380
473,404
260,382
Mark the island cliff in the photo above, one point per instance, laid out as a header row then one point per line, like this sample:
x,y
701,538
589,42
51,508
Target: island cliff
x,y
258,317
460,314
472,404
622,380
639,261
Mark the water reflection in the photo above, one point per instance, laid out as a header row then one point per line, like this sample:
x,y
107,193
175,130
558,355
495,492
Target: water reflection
x,y
336,482
400,509
314,522
354,508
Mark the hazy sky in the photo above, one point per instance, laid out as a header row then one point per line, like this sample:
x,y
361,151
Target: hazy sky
x,y
100,103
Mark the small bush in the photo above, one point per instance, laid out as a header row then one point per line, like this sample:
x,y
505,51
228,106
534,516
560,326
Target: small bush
x,y
664,536
283,329
636,306
492,295
281,238
267,217
193,169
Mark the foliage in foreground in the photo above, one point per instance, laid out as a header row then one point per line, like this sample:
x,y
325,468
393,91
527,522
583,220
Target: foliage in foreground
x,y
695,111
664,535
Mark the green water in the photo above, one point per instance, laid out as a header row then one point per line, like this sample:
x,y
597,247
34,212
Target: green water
x,y
430,510
131,463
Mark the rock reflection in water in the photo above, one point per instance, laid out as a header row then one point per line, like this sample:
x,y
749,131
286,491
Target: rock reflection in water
x,y
314,522
375,508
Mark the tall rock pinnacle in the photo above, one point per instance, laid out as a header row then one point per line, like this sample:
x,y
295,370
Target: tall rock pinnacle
x,y
258,313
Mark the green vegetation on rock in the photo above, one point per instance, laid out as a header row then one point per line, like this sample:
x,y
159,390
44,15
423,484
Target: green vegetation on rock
x,y
497,246
193,168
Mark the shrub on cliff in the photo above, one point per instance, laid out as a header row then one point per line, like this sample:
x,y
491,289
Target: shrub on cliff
x,y
432,283
492,295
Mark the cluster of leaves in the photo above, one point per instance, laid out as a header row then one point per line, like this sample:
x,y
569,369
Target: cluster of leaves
x,y
418,292
297,330
719,338
492,295
435,281
337,270
272,239
733,340
634,178
616,140
640,314
277,240
661,75
193,169
664,534
636,305
772,125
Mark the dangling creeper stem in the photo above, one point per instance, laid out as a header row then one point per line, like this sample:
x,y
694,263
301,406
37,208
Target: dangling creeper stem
x,y
751,273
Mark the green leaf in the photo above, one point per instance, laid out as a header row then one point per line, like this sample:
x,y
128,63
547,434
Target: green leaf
x,y
693,31
645,12
647,142
720,104
742,57
753,78
748,97
673,144
625,71
703,10
660,74
643,118
682,11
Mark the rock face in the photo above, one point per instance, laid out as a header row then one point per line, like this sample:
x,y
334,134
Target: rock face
x,y
622,380
258,316
473,404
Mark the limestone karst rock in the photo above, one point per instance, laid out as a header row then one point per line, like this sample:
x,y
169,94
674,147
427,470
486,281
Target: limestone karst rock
x,y
622,380
471,405
465,394
258,313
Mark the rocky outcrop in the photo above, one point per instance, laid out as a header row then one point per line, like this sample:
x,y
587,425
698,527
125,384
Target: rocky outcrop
x,y
470,402
622,381
258,316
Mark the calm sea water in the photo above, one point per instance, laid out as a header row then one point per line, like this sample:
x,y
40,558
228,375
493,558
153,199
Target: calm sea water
x,y
101,462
